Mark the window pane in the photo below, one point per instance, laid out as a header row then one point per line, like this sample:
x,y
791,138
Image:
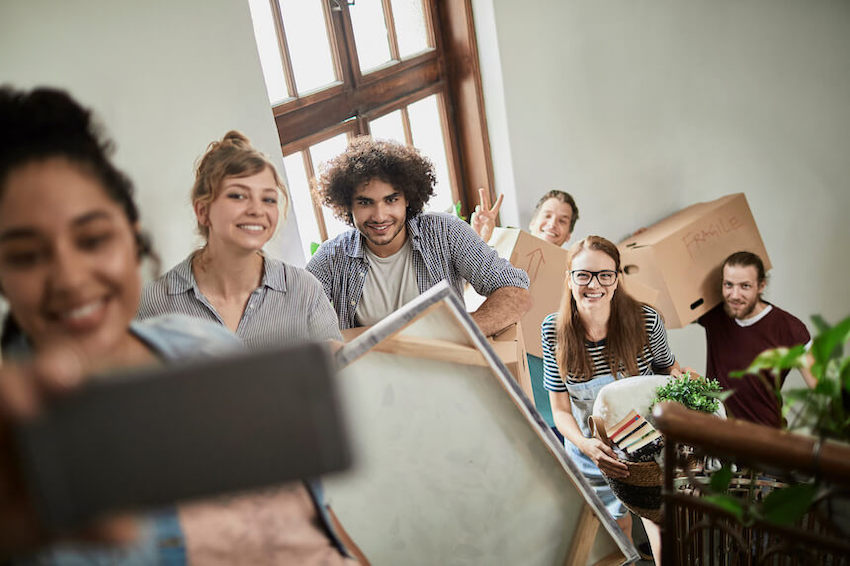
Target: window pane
x,y
388,127
428,138
322,152
370,34
409,17
267,46
301,205
309,46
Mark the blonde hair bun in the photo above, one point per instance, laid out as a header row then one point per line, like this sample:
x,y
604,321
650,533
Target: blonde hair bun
x,y
236,138
232,156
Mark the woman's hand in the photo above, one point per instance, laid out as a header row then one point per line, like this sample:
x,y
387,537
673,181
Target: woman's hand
x,y
603,456
23,390
690,372
678,371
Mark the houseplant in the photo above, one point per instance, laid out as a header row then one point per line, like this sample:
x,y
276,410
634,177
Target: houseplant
x,y
693,391
822,411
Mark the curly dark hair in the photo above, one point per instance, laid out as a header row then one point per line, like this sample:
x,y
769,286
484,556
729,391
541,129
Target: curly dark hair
x,y
46,123
365,159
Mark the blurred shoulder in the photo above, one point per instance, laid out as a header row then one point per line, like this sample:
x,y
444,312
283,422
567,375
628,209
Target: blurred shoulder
x,y
175,336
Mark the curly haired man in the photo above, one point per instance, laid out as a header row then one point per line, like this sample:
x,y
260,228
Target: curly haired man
x,y
395,251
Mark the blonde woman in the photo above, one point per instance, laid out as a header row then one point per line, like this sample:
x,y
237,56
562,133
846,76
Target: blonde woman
x,y
237,198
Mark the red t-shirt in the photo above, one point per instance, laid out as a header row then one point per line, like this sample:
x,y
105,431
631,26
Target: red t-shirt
x,y
732,347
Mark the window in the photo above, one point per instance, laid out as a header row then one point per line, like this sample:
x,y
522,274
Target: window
x,y
396,69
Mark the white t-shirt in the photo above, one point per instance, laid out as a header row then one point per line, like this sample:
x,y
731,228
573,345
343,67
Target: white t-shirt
x,y
390,283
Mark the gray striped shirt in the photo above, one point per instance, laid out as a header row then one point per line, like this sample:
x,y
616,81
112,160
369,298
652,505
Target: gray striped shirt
x,y
444,247
656,356
289,305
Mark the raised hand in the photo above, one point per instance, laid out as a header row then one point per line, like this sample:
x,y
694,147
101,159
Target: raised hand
x,y
484,216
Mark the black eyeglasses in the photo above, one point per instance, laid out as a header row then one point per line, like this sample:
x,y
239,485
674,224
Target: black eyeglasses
x,y
606,277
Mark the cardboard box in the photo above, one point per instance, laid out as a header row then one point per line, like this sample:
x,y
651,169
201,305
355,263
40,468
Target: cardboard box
x,y
679,258
546,265
509,346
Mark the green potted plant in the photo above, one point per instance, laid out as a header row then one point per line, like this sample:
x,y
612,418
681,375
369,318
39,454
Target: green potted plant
x,y
822,411
693,391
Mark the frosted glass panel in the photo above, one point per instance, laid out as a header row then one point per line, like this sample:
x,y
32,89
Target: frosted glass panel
x,y
428,138
309,46
409,17
370,34
388,127
270,61
302,205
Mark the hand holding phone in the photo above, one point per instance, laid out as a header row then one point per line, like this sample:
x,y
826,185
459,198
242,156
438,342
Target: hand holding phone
x,y
155,437
24,388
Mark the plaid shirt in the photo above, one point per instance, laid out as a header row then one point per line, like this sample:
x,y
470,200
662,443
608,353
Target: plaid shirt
x,y
287,307
444,247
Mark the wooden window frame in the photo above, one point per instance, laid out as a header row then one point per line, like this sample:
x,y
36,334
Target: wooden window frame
x,y
449,68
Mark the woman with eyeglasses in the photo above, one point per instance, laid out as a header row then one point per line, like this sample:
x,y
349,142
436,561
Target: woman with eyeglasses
x,y
599,335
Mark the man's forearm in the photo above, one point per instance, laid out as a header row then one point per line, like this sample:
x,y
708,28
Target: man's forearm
x,y
503,307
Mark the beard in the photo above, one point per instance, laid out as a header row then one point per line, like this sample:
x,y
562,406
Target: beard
x,y
386,238
742,311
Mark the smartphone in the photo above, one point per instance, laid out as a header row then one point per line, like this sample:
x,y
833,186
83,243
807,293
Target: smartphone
x,y
155,437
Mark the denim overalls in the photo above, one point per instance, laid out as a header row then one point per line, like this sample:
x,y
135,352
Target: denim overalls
x,y
582,396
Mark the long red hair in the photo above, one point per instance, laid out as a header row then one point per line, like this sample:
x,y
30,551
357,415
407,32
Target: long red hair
x,y
626,336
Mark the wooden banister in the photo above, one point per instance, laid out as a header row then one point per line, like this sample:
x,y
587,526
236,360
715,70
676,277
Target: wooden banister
x,y
753,444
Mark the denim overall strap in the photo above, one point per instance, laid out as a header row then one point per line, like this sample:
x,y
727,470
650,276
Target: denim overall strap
x,y
582,397
171,544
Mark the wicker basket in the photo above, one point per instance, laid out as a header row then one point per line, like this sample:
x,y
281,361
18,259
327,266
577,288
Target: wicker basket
x,y
641,491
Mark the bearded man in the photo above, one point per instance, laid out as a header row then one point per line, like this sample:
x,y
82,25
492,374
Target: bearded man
x,y
742,327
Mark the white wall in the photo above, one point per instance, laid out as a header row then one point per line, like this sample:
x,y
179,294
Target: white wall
x,y
637,108
641,108
166,78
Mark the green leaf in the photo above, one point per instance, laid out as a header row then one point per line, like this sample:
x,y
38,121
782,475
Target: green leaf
x,y
797,394
821,325
455,209
795,357
728,503
313,247
775,359
787,505
845,373
720,395
693,393
829,383
830,344
721,478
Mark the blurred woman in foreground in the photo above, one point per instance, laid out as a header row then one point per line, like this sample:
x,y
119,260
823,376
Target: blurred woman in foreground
x,y
70,248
